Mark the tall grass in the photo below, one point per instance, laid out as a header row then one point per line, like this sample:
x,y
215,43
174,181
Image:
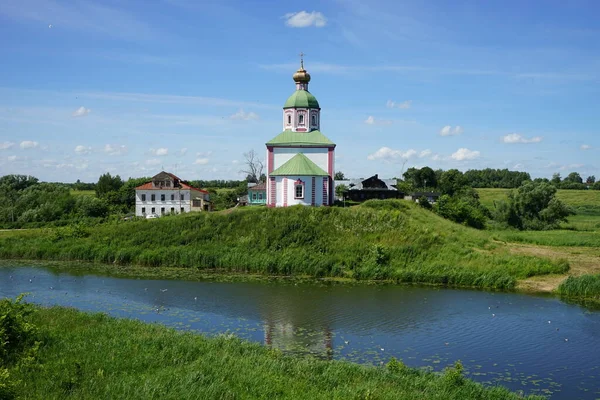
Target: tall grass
x,y
584,286
382,240
92,356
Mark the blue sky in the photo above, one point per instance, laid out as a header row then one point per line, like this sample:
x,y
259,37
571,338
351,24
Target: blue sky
x,y
134,87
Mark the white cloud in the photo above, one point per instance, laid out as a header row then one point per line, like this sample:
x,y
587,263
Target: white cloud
x,y
6,145
29,144
465,154
235,162
153,162
244,116
81,112
518,166
183,151
402,106
424,153
115,150
162,151
201,161
12,158
517,138
385,153
450,131
83,149
303,19
585,147
372,121
204,154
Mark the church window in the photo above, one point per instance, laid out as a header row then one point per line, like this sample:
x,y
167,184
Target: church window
x,y
314,119
301,119
298,189
289,119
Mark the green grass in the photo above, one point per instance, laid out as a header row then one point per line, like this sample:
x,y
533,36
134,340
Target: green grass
x,y
92,356
83,192
584,286
396,241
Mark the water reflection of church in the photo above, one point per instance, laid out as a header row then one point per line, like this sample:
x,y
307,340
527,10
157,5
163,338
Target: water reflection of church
x,y
287,337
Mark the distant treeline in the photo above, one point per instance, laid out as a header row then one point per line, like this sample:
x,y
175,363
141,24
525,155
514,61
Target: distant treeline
x,y
427,178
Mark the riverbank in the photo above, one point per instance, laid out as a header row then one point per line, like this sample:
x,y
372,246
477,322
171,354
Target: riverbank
x,y
393,241
95,356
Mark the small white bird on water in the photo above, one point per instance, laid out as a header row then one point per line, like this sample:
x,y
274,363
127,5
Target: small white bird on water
x,y
163,290
346,342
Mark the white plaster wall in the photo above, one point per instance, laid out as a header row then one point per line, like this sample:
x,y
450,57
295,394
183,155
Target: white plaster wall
x,y
158,204
281,155
307,200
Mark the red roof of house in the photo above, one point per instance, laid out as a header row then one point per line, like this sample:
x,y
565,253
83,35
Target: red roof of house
x,y
259,186
183,185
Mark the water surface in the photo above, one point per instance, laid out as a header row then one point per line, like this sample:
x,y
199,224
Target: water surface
x,y
533,344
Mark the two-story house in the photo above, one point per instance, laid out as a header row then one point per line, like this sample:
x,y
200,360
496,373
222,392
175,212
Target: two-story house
x,y
168,194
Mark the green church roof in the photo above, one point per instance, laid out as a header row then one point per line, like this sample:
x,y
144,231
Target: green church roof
x,y
291,138
301,99
299,165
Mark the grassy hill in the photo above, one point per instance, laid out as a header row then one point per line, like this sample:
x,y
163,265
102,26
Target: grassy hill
x,y
379,240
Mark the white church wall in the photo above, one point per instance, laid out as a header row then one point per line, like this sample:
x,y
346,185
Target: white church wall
x,y
286,187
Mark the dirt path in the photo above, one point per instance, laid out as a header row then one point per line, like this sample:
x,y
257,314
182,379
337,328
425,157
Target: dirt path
x,y
582,260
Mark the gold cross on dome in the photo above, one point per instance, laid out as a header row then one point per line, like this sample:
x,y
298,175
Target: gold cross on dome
x,y
301,60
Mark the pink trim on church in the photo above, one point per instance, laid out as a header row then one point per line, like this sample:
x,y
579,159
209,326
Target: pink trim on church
x,y
285,190
273,194
325,186
314,194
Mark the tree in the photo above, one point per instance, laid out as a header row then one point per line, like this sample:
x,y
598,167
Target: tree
x,y
452,181
339,176
254,167
533,206
573,177
555,179
107,183
590,180
339,190
420,178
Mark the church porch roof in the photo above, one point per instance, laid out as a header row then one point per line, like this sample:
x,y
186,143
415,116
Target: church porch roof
x,y
299,165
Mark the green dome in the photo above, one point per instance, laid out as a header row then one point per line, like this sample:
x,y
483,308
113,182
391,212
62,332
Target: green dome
x,y
301,99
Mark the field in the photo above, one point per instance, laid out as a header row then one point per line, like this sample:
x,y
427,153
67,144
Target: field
x,y
92,356
578,241
82,192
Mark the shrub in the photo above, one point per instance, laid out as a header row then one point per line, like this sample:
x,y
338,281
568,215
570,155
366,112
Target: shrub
x,y
17,334
453,376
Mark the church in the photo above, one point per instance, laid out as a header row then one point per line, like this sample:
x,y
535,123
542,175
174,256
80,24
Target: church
x,y
300,160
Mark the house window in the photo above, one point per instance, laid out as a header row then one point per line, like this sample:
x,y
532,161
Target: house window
x,y
253,196
162,197
172,210
260,196
183,197
289,119
182,210
143,197
301,119
172,197
153,197
299,189
143,210
314,119
162,211
196,203
168,183
153,210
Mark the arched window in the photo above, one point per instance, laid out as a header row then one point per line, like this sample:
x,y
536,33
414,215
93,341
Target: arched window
x,y
301,119
314,120
289,119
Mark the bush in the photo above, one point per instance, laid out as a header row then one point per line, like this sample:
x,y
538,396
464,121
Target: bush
x,y
17,334
463,209
532,207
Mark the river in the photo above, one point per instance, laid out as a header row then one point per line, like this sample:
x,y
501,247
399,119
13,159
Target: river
x,y
538,345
